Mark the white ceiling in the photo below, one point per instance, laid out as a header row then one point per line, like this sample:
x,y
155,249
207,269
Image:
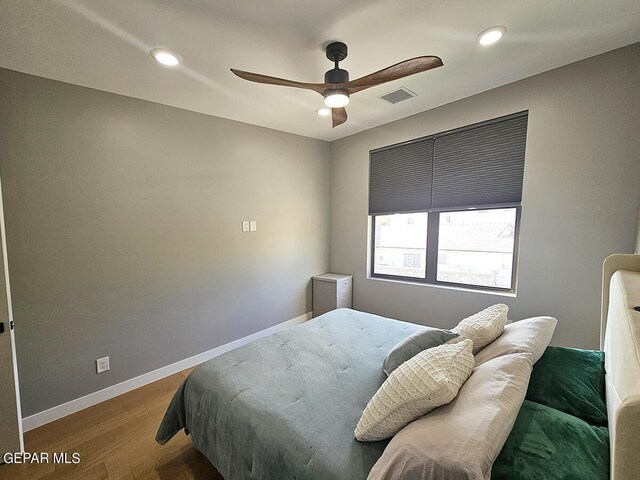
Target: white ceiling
x,y
104,44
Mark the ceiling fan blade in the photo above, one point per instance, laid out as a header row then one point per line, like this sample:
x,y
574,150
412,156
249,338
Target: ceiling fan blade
x,y
338,116
394,72
258,78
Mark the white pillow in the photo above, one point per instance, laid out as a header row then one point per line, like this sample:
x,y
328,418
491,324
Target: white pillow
x,y
483,327
422,383
531,335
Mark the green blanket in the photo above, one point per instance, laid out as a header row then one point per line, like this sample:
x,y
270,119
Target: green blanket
x,y
548,444
572,381
560,431
285,406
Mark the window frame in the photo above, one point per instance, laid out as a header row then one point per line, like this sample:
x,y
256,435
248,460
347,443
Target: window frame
x,y
431,261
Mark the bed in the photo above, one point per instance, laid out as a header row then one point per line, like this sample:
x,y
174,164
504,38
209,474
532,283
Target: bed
x,y
285,406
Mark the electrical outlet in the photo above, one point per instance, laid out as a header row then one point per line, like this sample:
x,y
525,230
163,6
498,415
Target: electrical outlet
x,y
245,225
102,364
253,225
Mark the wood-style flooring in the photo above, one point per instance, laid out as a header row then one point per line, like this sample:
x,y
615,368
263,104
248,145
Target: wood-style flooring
x,y
116,441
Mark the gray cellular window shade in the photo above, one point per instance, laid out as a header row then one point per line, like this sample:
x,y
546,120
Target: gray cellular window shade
x,y
480,166
400,178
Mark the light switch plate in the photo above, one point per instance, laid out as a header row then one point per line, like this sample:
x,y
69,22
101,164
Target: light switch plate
x,y
253,225
245,225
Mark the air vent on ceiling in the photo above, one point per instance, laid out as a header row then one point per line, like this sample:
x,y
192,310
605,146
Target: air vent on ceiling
x,y
398,95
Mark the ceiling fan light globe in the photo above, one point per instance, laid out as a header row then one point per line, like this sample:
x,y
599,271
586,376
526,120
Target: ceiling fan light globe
x,y
336,100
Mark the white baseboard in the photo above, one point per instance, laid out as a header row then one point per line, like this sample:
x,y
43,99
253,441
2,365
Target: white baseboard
x,y
73,406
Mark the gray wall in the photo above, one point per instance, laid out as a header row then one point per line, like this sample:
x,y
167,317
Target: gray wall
x,y
580,197
124,232
637,251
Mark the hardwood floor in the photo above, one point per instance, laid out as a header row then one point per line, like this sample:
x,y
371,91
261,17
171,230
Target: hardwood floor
x,y
116,440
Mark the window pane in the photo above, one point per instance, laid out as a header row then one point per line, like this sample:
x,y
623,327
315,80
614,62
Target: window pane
x,y
475,247
400,244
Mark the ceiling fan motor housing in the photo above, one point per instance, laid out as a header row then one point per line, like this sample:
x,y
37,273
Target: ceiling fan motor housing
x,y
336,75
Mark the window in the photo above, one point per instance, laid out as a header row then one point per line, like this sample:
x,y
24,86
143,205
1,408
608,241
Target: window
x,y
476,247
473,247
400,245
446,208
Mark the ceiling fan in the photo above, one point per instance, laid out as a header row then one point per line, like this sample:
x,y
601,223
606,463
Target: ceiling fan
x,y
337,88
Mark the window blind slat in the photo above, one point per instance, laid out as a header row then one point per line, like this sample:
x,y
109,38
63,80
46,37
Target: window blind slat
x,y
480,166
400,178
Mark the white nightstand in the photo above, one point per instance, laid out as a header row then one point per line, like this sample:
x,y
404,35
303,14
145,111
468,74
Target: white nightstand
x,y
331,291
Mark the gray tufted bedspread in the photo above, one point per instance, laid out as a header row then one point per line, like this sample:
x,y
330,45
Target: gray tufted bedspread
x,y
285,406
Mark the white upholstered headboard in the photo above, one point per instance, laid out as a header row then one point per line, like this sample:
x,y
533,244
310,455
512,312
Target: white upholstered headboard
x,y
620,340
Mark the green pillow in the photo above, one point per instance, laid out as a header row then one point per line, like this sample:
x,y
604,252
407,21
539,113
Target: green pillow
x,y
415,343
572,381
548,444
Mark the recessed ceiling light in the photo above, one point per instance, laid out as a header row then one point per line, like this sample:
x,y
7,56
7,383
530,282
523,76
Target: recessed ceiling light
x,y
324,111
165,57
491,35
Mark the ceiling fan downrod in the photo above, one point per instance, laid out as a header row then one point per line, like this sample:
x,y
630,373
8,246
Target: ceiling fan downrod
x,y
336,52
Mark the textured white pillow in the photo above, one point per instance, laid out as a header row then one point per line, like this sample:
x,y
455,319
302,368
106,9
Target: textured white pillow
x,y
483,327
422,383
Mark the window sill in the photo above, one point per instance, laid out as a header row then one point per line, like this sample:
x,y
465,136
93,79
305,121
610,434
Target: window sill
x,y
445,287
